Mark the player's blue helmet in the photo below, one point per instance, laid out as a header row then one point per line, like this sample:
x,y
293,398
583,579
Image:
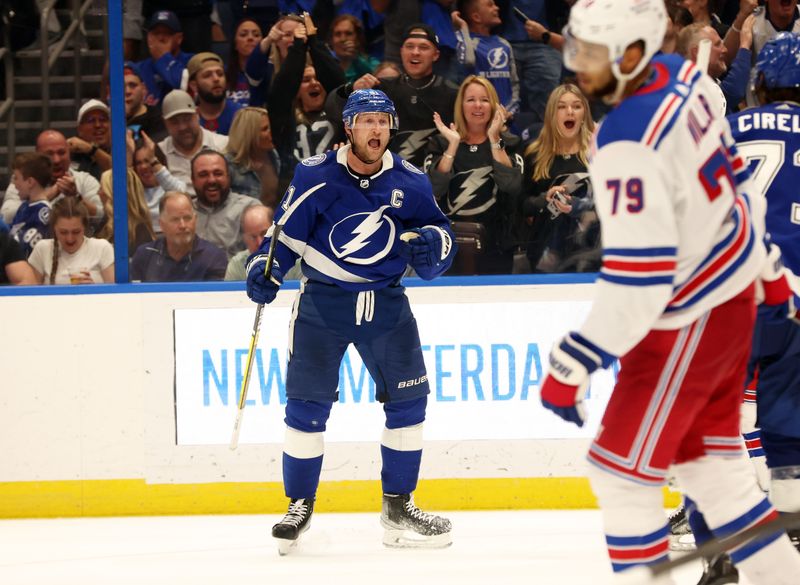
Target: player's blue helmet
x,y
368,100
778,63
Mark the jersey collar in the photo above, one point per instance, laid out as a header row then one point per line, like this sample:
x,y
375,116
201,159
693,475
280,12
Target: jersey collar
x,y
386,163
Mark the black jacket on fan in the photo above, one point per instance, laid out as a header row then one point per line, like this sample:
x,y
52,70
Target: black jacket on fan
x,y
478,188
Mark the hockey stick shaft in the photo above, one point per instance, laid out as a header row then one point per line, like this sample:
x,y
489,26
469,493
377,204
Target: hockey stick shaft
x,y
251,351
717,546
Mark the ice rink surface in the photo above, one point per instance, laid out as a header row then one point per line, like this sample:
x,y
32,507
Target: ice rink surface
x,y
510,547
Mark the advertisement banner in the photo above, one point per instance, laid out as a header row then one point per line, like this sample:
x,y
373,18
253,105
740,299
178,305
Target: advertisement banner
x,y
485,362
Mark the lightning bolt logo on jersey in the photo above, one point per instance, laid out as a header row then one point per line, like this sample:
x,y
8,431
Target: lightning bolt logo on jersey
x,y
369,241
347,235
471,192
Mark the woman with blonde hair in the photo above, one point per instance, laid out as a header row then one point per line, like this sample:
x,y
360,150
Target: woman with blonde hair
x,y
476,180
557,201
71,257
140,228
252,160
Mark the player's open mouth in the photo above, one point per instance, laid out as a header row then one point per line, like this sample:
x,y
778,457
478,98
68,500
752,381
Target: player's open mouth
x,y
374,143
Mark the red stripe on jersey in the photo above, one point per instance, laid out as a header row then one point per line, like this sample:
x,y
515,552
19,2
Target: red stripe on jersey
x,y
688,73
657,128
753,444
640,266
734,249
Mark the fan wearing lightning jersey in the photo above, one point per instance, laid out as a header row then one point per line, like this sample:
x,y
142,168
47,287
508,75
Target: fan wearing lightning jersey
x,y
475,178
768,138
356,218
483,53
33,172
296,101
674,300
417,94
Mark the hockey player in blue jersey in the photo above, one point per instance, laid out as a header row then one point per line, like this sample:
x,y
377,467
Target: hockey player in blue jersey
x,y
356,218
768,138
674,300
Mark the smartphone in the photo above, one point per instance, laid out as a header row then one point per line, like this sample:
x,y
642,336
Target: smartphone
x,y
520,15
135,128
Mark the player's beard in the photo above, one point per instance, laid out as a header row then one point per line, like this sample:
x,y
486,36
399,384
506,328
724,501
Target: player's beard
x,y
363,154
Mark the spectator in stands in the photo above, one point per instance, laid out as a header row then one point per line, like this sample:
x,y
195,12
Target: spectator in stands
x,y
256,220
296,102
32,173
178,255
140,228
732,82
397,15
90,150
207,83
264,62
72,257
416,94
476,180
705,12
537,55
484,54
774,17
193,17
150,165
679,18
219,210
67,183
252,159
138,115
246,38
186,137
163,71
437,14
14,269
347,41
387,70
555,164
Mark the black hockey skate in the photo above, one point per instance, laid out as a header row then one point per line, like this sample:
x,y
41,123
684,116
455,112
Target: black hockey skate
x,y
794,536
680,533
406,526
719,571
294,523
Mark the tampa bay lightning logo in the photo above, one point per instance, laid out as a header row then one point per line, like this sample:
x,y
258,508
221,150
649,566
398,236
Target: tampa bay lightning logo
x,y
498,58
363,238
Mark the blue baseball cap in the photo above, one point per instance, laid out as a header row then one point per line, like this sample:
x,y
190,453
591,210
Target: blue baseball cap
x,y
164,18
131,67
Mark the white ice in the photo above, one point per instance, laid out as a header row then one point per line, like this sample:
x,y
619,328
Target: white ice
x,y
510,547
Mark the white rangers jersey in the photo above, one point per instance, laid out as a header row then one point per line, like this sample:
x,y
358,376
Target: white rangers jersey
x,y
678,232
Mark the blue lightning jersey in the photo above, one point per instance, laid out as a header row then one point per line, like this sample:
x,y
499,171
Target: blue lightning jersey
x,y
491,57
345,227
31,224
768,138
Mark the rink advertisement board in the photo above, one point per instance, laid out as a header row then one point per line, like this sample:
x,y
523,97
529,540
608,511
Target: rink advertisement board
x,y
485,362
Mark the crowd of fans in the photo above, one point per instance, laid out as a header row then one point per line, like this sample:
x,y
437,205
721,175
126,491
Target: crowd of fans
x,y
223,99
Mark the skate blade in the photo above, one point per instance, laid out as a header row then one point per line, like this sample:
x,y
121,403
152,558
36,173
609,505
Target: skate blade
x,y
395,538
682,542
285,546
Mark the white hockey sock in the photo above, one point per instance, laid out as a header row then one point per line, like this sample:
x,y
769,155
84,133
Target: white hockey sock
x,y
726,492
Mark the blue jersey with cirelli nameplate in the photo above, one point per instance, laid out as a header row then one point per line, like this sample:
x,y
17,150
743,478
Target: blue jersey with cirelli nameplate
x,y
345,227
768,138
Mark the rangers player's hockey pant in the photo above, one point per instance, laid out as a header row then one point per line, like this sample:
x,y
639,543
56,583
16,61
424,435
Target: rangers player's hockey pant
x,y
677,402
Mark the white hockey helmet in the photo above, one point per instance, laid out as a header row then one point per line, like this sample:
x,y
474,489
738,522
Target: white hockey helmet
x,y
600,31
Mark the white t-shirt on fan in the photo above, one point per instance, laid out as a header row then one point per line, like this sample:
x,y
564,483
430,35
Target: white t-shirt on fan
x,y
94,256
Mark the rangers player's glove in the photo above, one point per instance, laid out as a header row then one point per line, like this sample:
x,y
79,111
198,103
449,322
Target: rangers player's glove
x,y
261,288
426,250
781,301
565,386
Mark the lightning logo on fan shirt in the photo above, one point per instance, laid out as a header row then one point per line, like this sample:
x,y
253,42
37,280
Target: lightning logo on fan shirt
x,y
366,234
413,142
469,188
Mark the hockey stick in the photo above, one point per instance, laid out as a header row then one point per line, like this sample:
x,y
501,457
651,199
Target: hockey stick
x,y
251,352
717,546
703,55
